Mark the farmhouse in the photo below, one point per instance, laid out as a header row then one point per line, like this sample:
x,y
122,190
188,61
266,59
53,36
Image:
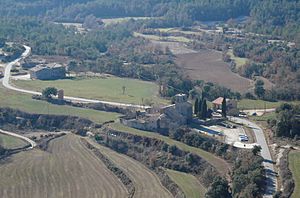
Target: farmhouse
x,y
217,103
168,117
51,71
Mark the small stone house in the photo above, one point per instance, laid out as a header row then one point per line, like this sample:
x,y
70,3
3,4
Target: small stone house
x,y
51,71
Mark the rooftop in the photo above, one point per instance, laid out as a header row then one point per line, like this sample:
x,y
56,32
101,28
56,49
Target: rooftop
x,y
219,101
46,66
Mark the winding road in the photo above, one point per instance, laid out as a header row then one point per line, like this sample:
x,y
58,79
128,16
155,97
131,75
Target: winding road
x,y
32,143
6,84
265,153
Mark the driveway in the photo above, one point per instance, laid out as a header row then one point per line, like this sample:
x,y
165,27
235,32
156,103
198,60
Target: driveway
x,y
265,153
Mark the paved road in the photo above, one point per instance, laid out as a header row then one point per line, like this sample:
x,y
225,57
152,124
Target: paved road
x,y
265,153
32,143
6,83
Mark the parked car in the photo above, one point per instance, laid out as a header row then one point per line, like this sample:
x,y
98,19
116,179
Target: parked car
x,y
243,138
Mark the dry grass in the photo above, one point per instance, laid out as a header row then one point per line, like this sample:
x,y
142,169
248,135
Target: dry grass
x,y
146,183
208,65
67,169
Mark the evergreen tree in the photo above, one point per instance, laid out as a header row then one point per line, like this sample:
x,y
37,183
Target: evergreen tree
x,y
224,107
196,106
204,110
199,109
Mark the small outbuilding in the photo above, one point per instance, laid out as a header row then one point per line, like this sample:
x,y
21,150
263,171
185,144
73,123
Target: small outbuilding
x,y
217,103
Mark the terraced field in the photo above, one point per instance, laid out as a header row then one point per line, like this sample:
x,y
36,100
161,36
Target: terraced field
x,y
146,183
221,165
188,183
66,170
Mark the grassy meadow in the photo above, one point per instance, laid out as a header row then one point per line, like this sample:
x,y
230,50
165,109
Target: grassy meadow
x,y
188,183
9,142
24,102
107,89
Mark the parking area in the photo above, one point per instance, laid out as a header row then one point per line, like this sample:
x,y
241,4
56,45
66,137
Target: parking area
x,y
235,136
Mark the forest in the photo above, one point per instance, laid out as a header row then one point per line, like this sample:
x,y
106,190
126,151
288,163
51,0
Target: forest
x,y
270,17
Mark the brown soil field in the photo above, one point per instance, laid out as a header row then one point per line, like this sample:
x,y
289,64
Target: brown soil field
x,y
208,65
146,183
66,170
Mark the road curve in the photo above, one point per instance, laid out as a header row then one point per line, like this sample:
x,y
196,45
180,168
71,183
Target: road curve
x,y
32,143
6,84
265,153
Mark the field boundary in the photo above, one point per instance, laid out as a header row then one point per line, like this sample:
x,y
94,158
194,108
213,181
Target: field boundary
x,y
125,179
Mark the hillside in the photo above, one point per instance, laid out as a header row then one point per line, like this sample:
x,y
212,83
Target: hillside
x,y
272,17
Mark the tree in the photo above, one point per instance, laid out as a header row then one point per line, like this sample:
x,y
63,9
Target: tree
x,y
199,109
123,89
196,106
259,89
224,107
218,189
49,92
256,149
204,110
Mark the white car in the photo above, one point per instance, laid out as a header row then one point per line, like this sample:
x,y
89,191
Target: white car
x,y
243,138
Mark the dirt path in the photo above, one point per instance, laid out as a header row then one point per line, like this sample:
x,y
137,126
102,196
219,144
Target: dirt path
x,y
66,170
147,184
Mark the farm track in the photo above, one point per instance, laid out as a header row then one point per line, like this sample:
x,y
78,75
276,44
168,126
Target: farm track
x,y
146,183
66,170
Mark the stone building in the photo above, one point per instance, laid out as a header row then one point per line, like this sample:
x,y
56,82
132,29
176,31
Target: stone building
x,y
51,71
172,116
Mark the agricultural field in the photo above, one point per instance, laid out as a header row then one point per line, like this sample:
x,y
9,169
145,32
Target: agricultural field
x,y
222,166
66,169
238,61
163,38
9,142
209,66
294,164
107,89
112,21
24,102
146,183
175,47
188,183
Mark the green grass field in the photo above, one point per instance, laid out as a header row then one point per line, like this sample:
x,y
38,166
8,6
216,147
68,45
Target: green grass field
x,y
188,183
245,104
218,163
294,165
9,142
108,89
24,102
238,61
